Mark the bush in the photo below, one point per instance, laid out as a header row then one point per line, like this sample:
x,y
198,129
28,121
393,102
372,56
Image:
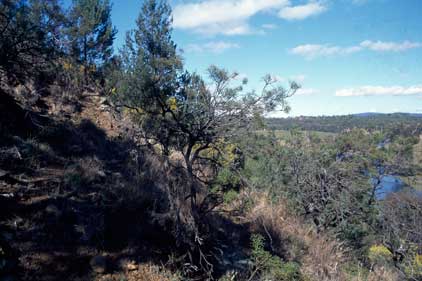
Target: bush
x,y
229,196
227,179
271,267
379,255
413,268
289,271
84,172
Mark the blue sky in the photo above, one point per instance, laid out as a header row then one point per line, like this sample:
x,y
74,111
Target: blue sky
x,y
349,56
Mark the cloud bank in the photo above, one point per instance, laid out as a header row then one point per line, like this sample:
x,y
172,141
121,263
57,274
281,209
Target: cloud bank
x,y
312,51
217,47
301,12
231,17
380,91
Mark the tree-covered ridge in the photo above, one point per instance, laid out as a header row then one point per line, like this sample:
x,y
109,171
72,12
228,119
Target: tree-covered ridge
x,y
400,122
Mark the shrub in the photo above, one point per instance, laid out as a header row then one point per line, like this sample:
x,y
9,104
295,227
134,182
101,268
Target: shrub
x,y
84,172
379,254
271,267
289,271
354,270
413,268
227,179
229,196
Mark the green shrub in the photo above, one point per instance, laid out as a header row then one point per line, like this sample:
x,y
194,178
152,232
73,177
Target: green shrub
x,y
269,266
353,269
289,271
380,255
227,179
229,196
413,268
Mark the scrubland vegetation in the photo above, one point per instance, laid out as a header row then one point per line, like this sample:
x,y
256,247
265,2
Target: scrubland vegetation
x,y
129,167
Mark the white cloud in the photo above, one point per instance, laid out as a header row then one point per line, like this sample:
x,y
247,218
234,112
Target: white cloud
x,y
229,28
217,47
302,11
300,78
269,26
231,17
389,46
307,92
217,16
380,91
311,51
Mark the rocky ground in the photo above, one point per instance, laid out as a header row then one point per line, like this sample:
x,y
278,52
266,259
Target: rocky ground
x,y
62,166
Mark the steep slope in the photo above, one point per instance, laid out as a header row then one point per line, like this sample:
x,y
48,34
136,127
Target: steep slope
x,y
68,203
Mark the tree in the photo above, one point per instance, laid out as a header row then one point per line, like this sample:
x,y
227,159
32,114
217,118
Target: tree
x,y
151,67
179,110
205,116
29,37
91,33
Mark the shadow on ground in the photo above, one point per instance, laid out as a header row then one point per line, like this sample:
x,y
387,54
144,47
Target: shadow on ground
x,y
69,193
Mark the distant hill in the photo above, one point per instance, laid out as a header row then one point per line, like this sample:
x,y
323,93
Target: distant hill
x,y
405,122
368,114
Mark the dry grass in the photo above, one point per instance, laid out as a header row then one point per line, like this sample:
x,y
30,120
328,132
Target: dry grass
x,y
322,257
319,254
143,272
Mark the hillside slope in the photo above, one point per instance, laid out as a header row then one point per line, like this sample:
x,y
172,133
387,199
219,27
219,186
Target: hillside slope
x,y
67,209
80,199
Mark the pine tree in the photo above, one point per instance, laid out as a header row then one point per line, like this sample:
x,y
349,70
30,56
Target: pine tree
x,y
29,37
151,68
91,33
177,109
150,59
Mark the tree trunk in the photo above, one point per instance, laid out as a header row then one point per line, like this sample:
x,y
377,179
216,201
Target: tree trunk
x,y
189,168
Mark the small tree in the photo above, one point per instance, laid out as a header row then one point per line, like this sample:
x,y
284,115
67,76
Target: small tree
x,y
151,68
202,116
179,110
91,33
183,113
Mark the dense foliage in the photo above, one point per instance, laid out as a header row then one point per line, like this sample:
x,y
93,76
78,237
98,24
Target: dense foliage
x,y
395,123
29,36
333,181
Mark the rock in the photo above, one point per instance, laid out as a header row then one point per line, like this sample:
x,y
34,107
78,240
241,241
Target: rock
x,y
3,173
7,195
99,264
104,107
53,210
101,174
128,265
131,266
103,100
